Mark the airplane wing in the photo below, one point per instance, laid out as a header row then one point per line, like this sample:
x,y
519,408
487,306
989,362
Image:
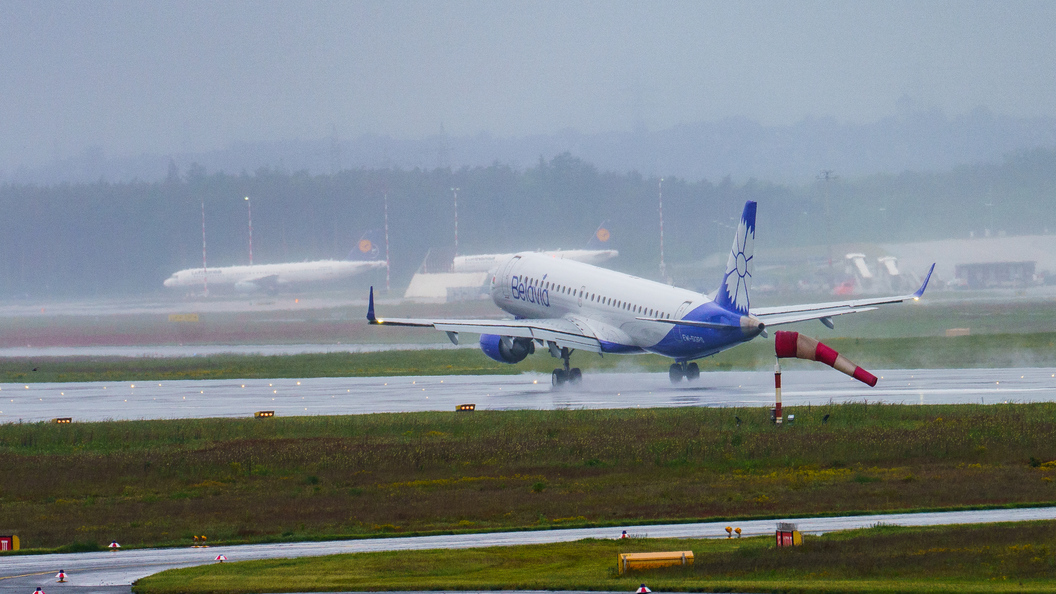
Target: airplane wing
x,y
564,332
773,316
264,283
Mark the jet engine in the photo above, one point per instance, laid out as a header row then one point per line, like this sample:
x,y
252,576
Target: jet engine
x,y
506,349
794,344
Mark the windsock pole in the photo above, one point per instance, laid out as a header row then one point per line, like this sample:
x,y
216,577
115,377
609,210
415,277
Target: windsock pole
x,y
777,391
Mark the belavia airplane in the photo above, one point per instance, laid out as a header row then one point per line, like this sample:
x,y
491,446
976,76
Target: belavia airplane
x,y
563,305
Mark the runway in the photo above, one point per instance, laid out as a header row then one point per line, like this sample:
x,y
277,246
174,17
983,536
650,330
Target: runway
x,y
97,401
115,571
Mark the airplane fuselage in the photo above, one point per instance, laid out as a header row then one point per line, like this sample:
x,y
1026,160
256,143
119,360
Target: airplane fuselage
x,y
261,276
491,262
608,304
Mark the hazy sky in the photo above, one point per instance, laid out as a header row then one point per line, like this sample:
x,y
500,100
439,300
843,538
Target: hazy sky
x,y
152,76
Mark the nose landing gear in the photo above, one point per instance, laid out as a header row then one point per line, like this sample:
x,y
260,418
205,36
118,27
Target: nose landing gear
x,y
566,374
683,370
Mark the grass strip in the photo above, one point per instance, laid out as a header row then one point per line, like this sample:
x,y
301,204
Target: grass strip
x,y
159,483
995,350
1008,557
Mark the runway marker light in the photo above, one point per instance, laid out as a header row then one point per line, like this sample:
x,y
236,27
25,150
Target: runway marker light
x,y
729,532
62,576
62,420
38,591
465,407
221,558
113,545
263,414
738,531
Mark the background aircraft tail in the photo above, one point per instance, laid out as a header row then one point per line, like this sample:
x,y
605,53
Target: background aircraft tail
x,y
368,248
737,281
601,237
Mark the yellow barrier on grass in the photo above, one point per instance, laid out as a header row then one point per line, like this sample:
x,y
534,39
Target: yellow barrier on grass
x,y
627,561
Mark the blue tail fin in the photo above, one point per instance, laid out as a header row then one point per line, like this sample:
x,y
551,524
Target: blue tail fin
x,y
737,282
368,248
601,237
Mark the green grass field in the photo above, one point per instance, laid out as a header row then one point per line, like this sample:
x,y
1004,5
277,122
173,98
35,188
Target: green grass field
x,y
983,558
158,483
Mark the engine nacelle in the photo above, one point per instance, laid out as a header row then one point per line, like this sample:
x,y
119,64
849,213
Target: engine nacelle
x,y
506,349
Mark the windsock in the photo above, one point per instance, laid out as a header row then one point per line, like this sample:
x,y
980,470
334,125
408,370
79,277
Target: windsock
x,y
794,344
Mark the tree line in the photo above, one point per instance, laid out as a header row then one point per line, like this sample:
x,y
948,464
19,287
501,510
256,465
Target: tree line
x,y
125,238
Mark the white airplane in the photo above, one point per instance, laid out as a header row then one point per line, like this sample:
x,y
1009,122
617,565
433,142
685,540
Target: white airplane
x,y
593,254
564,305
272,277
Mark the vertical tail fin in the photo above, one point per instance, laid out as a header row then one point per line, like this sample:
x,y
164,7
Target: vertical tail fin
x,y
737,281
368,248
600,239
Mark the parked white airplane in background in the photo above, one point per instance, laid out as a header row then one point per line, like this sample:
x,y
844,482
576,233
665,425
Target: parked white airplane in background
x,y
272,277
595,253
565,305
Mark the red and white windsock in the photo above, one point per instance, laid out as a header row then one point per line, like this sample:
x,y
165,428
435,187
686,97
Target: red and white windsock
x,y
794,344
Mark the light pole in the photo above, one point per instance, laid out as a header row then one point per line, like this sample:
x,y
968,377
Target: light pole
x,y
249,209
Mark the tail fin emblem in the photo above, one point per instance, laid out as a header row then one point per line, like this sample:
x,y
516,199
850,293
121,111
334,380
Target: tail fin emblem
x,y
737,281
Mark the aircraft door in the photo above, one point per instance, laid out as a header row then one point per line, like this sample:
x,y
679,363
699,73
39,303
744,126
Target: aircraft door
x,y
682,309
505,276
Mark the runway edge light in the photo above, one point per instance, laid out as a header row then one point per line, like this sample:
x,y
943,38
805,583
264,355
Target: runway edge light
x,y
62,420
466,407
263,414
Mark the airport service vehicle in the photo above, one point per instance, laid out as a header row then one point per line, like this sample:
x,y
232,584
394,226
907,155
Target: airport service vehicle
x,y
273,277
563,305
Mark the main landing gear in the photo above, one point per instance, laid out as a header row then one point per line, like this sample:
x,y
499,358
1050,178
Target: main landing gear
x,y
688,371
560,376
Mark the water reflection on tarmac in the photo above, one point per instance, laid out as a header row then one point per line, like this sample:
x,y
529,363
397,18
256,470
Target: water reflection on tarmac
x,y
93,401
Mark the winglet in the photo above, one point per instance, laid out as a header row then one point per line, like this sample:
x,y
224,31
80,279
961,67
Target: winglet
x,y
920,291
370,308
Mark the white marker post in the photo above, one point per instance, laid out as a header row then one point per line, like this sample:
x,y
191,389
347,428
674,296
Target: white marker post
x,y
777,391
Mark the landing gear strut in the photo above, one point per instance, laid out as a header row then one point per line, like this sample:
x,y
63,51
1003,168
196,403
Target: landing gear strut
x,y
560,376
688,371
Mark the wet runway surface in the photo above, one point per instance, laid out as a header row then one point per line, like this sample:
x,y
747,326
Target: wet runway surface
x,y
106,569
95,401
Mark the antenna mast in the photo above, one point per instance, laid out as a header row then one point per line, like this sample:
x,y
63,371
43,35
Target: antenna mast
x,y
455,192
249,208
663,267
205,269
387,289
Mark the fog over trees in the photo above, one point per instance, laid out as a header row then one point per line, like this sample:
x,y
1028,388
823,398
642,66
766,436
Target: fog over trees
x,y
117,238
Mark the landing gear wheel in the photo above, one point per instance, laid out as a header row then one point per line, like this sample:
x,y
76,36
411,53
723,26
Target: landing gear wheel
x,y
575,376
676,373
692,372
558,377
